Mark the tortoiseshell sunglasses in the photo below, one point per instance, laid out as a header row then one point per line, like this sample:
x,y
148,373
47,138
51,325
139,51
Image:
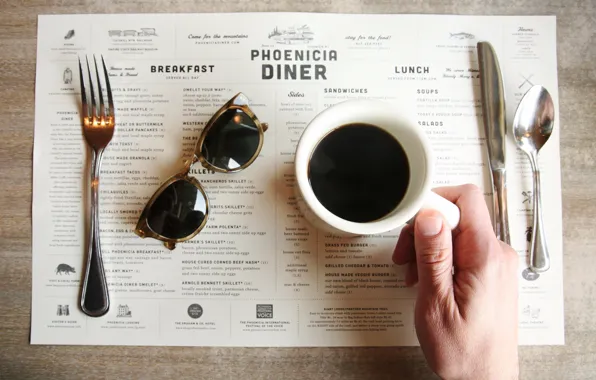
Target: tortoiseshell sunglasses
x,y
230,142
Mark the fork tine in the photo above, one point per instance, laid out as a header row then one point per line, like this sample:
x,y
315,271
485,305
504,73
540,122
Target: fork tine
x,y
93,104
85,105
102,112
108,88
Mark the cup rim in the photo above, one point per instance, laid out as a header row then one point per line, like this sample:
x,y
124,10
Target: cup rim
x,y
315,132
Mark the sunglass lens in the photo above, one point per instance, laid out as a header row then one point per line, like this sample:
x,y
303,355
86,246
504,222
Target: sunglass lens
x,y
232,141
178,211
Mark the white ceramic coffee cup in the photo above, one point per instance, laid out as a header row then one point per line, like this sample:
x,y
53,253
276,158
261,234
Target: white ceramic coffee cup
x,y
420,157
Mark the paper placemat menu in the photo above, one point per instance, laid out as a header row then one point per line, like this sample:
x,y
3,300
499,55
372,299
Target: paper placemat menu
x,y
258,274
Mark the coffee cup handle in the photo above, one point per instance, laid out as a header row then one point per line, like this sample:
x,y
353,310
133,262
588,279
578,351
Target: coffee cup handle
x,y
449,210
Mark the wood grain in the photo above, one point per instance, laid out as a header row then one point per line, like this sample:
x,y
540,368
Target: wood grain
x,y
576,25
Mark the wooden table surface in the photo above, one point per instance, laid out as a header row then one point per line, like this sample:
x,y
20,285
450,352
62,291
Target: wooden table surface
x,y
576,26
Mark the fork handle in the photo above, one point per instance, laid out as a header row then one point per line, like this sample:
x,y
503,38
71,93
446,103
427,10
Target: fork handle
x,y
95,300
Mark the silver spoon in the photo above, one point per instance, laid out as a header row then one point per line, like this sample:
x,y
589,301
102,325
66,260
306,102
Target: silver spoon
x,y
532,126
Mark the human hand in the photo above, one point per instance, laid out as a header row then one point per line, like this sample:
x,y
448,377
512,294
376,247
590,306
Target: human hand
x,y
466,322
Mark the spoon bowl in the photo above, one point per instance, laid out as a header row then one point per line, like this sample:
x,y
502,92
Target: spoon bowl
x,y
534,120
532,127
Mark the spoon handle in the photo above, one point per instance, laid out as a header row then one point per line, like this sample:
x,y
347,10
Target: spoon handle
x,y
539,257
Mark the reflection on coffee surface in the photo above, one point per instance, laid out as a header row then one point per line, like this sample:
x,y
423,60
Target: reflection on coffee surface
x,y
359,172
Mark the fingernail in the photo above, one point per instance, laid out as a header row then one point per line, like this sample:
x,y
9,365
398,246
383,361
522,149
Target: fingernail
x,y
429,225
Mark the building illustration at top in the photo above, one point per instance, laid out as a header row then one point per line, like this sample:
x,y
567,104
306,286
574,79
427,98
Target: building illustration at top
x,y
292,35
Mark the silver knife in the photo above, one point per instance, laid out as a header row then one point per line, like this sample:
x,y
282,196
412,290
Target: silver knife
x,y
493,114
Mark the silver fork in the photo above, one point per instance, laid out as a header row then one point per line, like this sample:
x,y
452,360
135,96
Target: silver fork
x,y
98,129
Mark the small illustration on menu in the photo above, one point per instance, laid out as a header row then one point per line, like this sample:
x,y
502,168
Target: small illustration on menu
x,y
462,36
124,312
70,34
292,35
264,311
458,42
195,311
531,312
143,32
526,81
67,76
528,275
527,197
62,310
64,268
529,234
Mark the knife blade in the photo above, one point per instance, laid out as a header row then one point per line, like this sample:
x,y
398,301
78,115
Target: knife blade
x,y
493,115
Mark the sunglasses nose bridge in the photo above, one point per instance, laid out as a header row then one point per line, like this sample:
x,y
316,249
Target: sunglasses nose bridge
x,y
202,160
169,245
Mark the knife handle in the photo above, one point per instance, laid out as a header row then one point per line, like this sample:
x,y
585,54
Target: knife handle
x,y
501,216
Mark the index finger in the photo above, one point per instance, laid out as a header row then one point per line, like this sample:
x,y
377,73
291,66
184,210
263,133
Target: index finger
x,y
470,200
474,240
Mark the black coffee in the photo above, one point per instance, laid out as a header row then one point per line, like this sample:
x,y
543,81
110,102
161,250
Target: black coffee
x,y
359,172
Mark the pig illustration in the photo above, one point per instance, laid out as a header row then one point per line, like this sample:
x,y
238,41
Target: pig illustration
x,y
65,268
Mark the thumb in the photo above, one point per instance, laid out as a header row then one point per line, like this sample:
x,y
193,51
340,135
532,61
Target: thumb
x,y
434,254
